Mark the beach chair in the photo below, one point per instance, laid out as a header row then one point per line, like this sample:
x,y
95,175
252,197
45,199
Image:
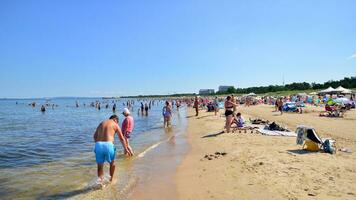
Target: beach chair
x,y
308,137
311,141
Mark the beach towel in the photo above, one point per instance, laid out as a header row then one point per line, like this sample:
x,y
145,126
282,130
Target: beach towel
x,y
276,133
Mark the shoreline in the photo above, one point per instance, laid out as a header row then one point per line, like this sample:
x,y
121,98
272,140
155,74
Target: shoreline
x,y
266,167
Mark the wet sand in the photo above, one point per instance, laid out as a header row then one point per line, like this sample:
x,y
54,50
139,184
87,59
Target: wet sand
x,y
267,167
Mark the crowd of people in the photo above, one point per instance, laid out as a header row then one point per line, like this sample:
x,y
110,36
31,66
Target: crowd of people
x,y
104,135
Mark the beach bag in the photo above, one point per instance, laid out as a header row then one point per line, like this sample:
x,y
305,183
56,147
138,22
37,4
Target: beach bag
x,y
329,146
311,146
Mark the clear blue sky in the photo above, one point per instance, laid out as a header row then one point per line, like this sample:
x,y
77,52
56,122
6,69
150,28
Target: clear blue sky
x,y
107,48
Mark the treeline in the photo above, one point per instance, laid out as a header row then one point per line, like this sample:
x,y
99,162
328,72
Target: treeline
x,y
346,83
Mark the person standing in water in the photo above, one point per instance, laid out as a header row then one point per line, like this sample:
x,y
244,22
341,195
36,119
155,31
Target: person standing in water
x,y
114,108
142,107
104,145
127,128
167,115
43,108
146,109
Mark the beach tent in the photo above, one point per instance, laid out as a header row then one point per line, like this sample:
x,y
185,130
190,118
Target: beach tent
x,y
329,90
251,94
342,90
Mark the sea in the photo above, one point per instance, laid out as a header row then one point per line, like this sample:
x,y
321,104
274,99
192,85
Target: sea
x,y
49,155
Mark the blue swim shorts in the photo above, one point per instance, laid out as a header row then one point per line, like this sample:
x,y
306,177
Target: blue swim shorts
x,y
104,151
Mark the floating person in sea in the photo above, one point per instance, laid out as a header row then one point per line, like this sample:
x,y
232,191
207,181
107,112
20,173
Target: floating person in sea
x,y
77,104
43,108
167,115
105,150
107,106
127,127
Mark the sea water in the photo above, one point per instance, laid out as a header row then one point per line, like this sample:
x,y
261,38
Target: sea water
x,y
50,155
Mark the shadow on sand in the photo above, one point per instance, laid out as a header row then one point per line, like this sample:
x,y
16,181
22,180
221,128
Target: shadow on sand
x,y
213,135
301,151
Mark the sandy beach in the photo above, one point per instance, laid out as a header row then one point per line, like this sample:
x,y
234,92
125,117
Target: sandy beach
x,y
267,167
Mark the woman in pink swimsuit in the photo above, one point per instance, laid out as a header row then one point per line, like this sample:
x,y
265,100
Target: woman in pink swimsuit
x,y
127,127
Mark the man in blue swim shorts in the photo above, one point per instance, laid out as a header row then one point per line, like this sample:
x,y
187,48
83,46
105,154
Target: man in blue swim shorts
x,y
104,145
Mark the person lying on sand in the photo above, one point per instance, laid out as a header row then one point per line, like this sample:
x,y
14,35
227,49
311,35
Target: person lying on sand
x,y
104,145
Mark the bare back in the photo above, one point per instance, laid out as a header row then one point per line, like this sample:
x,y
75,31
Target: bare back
x,y
106,131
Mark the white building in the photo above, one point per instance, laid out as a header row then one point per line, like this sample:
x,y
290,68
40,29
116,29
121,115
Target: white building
x,y
224,88
206,91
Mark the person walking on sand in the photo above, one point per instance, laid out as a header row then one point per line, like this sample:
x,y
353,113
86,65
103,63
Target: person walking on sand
x,y
216,105
104,145
229,113
280,105
167,115
127,127
196,106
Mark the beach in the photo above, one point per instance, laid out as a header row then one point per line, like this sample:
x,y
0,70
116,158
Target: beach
x,y
267,167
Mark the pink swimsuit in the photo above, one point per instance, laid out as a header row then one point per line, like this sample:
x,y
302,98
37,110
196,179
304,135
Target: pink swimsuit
x,y
127,126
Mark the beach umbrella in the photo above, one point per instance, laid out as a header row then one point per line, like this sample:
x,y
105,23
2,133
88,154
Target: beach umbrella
x,y
342,100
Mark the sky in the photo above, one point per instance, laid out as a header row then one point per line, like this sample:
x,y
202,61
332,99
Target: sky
x,y
129,47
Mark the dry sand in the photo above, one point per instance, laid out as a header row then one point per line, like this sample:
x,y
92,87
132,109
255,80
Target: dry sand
x,y
267,167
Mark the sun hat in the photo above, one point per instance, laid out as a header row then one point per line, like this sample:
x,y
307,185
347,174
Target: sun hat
x,y
126,111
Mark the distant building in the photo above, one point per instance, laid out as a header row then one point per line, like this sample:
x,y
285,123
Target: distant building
x,y
206,91
224,88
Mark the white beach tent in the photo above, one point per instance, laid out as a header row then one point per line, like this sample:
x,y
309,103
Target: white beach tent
x,y
342,90
327,91
251,94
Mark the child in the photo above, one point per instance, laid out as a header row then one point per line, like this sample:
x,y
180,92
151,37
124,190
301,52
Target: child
x,y
239,120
